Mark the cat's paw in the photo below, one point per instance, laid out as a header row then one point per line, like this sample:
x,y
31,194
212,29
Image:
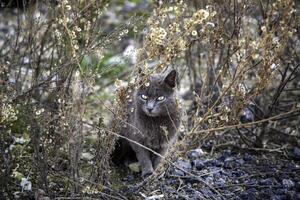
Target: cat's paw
x,y
146,173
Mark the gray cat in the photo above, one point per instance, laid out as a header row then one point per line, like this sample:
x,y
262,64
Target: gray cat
x,y
155,117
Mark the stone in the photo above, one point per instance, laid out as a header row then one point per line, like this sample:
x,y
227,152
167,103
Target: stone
x,y
296,152
288,183
178,172
220,182
209,180
195,154
247,157
199,164
184,165
135,167
87,156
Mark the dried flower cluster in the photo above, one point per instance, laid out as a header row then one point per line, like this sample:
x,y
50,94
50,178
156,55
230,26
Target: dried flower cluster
x,y
171,30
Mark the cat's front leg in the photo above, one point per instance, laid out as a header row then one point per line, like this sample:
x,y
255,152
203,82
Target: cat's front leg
x,y
143,157
162,151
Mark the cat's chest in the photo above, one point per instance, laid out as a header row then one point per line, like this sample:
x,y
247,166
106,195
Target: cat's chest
x,y
155,134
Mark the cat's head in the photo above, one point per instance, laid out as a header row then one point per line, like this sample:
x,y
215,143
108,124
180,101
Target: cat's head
x,y
156,97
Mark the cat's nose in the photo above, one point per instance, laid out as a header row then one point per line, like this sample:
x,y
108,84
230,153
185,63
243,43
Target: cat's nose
x,y
150,106
149,109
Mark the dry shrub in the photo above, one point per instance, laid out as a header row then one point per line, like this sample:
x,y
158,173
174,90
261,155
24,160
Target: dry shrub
x,y
46,81
232,55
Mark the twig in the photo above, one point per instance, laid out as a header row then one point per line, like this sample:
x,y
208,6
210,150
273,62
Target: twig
x,y
274,118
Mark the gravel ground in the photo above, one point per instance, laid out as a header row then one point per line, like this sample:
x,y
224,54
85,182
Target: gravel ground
x,y
237,176
226,174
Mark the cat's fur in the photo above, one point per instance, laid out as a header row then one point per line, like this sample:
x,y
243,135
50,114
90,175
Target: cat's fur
x,y
154,122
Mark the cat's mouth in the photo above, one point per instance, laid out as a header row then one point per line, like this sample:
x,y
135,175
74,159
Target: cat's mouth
x,y
151,113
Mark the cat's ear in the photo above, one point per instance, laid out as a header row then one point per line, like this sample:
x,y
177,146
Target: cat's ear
x,y
170,78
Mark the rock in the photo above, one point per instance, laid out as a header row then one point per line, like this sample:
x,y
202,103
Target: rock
x,y
229,159
198,195
220,182
288,183
209,180
247,116
225,154
135,167
229,165
208,145
216,173
277,197
41,195
296,152
268,181
238,173
199,164
178,172
207,193
240,162
192,180
195,154
297,186
247,157
298,195
172,181
87,156
251,182
182,164
128,178
281,191
251,113
252,190
248,195
215,163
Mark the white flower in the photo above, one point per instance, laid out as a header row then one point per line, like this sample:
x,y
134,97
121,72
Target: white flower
x,y
275,40
10,147
120,83
242,88
201,15
60,101
26,184
78,29
224,118
20,140
40,111
210,24
273,66
68,7
76,47
57,33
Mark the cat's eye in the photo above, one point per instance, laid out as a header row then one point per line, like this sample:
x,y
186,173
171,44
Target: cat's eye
x,y
144,97
160,98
